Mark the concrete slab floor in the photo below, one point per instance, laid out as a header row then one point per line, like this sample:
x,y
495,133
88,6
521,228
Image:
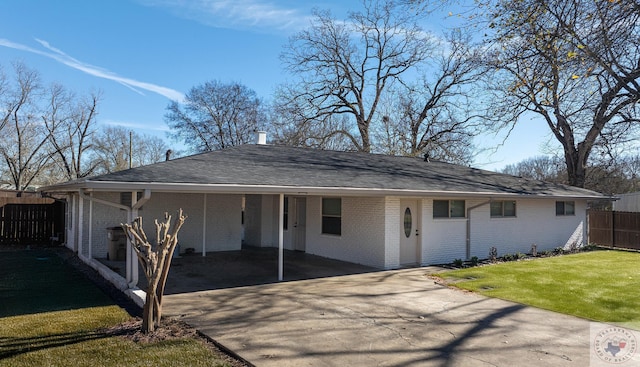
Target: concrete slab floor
x,y
249,266
384,318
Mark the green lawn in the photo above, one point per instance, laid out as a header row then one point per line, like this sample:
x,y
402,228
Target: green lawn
x,y
77,338
52,315
599,285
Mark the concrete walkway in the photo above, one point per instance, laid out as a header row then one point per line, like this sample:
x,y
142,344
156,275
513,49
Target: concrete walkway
x,y
387,318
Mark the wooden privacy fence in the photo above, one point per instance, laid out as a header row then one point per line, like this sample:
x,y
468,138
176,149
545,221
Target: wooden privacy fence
x,y
32,224
614,229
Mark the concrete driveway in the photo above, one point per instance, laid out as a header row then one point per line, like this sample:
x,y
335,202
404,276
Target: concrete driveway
x,y
387,318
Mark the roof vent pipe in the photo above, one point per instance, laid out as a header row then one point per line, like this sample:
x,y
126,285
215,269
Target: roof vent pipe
x,y
261,137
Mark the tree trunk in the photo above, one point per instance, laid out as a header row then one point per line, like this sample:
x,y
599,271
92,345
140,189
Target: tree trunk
x,y
156,261
148,312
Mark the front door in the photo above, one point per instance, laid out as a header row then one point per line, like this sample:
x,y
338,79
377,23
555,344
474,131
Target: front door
x,y
409,221
299,224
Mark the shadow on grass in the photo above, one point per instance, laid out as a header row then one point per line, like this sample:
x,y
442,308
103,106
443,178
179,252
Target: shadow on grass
x,y
35,281
11,347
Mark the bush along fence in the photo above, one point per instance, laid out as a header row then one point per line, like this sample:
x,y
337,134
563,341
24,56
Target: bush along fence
x,y
614,229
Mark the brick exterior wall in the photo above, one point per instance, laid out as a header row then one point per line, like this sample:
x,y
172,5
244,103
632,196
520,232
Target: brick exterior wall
x,y
363,231
444,240
103,216
371,227
392,227
223,220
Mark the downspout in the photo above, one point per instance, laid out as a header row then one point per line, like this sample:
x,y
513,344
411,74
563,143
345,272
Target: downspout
x,y
468,254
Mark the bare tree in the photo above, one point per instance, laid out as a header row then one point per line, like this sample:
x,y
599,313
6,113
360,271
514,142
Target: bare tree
x,y
575,64
440,114
24,145
113,144
70,123
155,259
344,67
543,168
215,115
608,175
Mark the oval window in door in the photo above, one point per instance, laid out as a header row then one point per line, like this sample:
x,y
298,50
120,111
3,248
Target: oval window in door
x,y
407,222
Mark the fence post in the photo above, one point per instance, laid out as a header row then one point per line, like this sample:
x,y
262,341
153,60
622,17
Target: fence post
x,y
613,228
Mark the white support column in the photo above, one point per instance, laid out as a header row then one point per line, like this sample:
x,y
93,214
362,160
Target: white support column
x,y
204,227
281,238
73,223
80,224
132,258
90,241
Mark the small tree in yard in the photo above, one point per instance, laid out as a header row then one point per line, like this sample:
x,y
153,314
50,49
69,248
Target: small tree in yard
x,y
155,260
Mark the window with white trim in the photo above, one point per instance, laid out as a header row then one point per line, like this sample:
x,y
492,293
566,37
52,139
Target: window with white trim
x,y
565,208
332,216
503,209
448,209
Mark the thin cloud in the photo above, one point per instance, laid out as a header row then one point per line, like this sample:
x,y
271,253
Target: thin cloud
x,y
235,13
138,126
63,58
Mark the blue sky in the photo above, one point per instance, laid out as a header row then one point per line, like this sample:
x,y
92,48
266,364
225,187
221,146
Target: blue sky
x,y
142,53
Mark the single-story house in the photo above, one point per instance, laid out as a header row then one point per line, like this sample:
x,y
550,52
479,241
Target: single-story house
x,y
376,210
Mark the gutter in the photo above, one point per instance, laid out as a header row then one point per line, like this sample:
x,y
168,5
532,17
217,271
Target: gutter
x,y
468,247
301,190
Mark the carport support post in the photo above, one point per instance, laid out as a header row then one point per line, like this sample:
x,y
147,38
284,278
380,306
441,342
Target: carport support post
x,y
281,238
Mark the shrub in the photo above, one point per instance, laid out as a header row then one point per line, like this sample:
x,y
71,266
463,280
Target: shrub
x,y
545,253
474,261
457,263
508,257
493,254
520,256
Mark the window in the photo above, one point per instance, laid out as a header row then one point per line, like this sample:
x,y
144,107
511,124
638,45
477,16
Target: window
x,y
501,209
332,216
408,222
448,209
285,215
565,208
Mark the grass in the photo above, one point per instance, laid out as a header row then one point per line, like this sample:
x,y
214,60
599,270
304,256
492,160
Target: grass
x,y
77,338
51,315
599,285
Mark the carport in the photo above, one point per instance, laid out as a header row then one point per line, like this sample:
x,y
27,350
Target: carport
x,y
247,267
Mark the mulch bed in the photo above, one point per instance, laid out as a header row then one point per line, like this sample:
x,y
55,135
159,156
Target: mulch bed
x,y
171,330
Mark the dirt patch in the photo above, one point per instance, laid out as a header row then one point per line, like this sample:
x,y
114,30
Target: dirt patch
x,y
168,330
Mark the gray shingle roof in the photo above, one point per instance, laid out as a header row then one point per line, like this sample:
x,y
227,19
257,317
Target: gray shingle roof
x,y
288,167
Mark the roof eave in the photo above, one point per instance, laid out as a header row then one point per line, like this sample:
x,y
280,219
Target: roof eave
x,y
296,190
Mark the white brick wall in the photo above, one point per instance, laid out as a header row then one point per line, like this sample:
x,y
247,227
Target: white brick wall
x,y
445,239
224,223
442,239
363,231
223,227
261,221
103,216
392,232
370,227
223,220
